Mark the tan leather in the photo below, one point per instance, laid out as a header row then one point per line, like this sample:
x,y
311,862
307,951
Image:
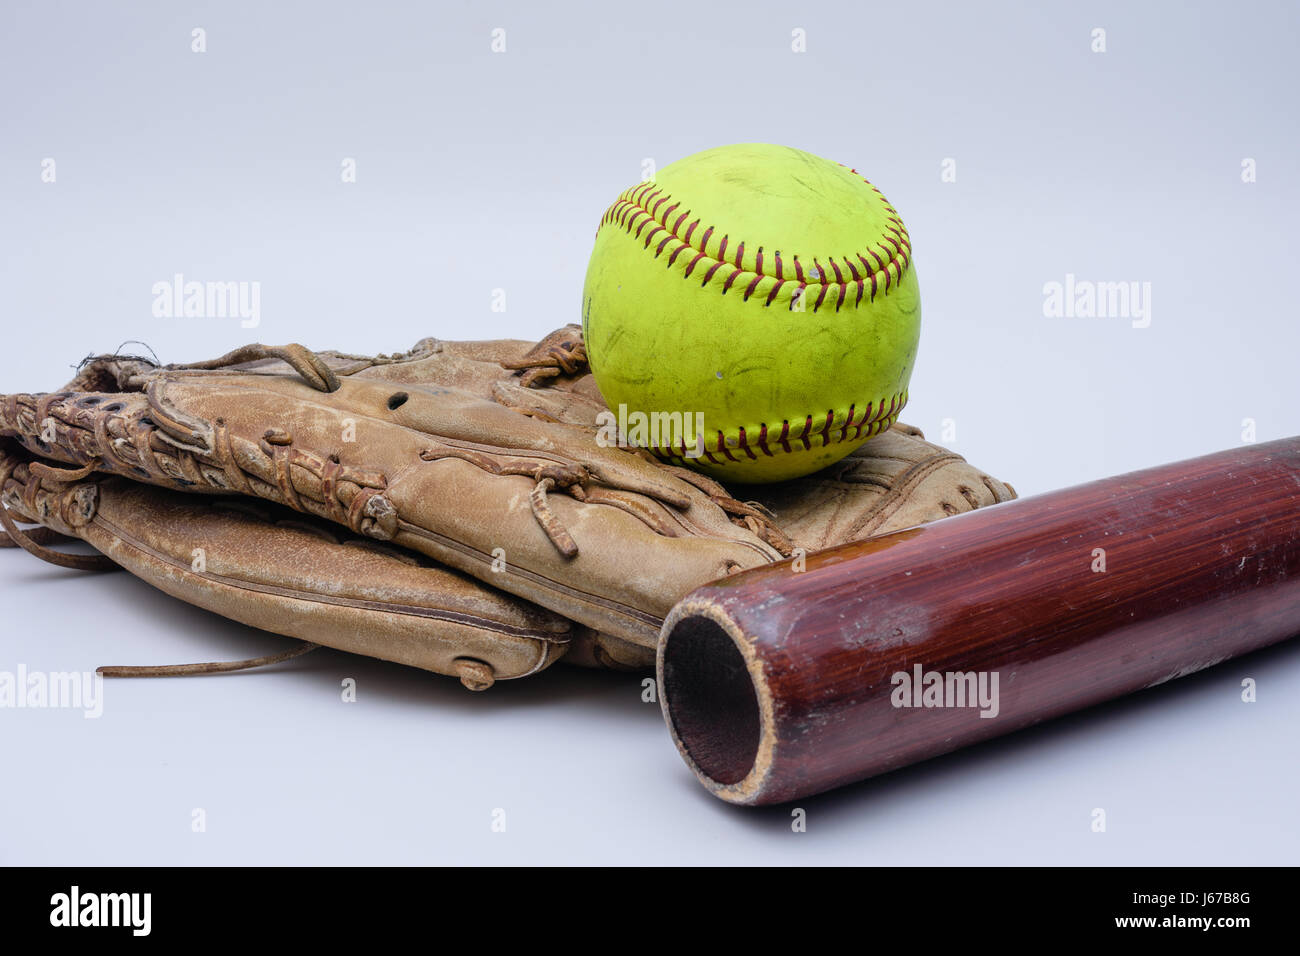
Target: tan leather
x,y
507,534
284,572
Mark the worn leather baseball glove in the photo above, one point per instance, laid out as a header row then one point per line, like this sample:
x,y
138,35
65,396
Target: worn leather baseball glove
x,y
454,507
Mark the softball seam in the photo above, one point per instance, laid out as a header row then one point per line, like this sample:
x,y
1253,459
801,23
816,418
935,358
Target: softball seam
x,y
644,204
885,414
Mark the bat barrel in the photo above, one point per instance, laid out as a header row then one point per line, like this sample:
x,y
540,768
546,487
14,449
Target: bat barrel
x,y
784,682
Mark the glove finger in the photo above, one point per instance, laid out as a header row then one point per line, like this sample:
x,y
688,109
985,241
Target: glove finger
x,y
272,569
896,480
596,533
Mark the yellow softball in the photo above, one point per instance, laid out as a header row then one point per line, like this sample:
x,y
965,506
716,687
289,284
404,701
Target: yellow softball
x,y
753,312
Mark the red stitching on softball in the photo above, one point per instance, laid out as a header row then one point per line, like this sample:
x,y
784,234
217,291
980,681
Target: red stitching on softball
x,y
803,437
745,445
826,429
865,427
722,447
847,422
647,198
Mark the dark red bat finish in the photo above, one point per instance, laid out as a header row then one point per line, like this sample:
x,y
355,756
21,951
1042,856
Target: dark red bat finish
x,y
780,683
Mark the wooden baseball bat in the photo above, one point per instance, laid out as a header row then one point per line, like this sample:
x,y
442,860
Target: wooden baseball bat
x,y
780,683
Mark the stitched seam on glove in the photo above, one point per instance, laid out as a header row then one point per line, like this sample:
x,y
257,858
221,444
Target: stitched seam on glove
x,y
899,490
585,597
313,597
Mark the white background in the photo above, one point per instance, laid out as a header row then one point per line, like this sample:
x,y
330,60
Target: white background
x,y
479,171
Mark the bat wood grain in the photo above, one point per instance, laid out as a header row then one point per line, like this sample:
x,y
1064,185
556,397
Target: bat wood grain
x,y
780,683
